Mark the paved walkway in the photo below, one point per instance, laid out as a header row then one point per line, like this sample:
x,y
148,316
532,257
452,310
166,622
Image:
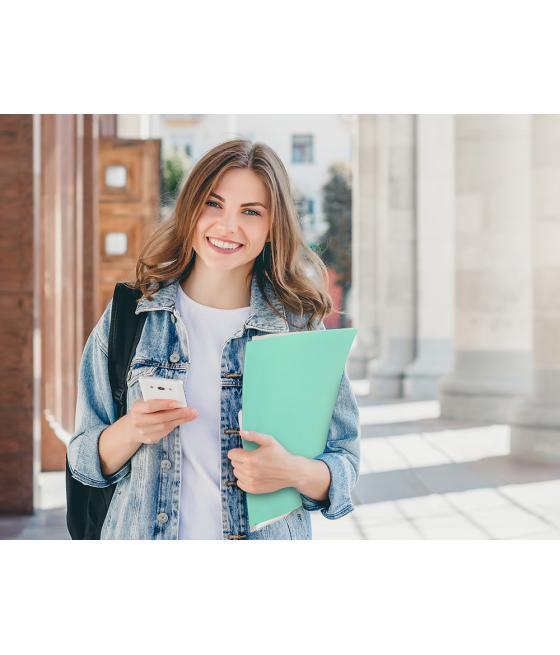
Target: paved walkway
x,y
421,477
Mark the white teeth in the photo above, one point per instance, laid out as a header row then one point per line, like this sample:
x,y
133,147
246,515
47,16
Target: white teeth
x,y
223,244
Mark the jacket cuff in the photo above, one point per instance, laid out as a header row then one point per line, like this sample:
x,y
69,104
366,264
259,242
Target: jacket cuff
x,y
85,450
339,501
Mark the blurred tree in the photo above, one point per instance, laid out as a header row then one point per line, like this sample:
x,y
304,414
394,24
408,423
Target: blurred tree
x,y
336,243
173,172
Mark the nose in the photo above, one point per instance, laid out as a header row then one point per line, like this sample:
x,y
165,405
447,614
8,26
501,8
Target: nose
x,y
230,220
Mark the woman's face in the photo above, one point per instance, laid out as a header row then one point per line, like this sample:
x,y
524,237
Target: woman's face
x,y
237,213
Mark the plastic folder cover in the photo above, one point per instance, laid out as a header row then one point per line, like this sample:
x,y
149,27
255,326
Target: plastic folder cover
x,y
290,386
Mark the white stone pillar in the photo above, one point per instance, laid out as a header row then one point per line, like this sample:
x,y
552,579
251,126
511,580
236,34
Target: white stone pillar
x,y
369,201
397,273
493,279
435,198
137,126
535,431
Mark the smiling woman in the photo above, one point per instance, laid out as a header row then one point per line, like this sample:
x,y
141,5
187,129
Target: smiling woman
x,y
229,264
237,192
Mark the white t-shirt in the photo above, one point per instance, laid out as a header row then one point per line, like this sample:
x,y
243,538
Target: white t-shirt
x,y
208,330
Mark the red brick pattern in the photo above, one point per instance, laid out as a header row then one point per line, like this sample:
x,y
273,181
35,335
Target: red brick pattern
x,y
16,311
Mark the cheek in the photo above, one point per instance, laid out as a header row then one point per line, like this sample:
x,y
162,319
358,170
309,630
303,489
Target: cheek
x,y
202,226
257,234
203,223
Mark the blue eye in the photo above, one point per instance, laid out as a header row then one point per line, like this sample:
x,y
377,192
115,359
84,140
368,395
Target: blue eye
x,y
255,213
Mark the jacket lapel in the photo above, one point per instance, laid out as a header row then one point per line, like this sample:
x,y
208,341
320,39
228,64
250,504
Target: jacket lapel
x,y
262,317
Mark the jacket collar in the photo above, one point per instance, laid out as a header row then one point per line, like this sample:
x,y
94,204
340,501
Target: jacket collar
x,y
261,317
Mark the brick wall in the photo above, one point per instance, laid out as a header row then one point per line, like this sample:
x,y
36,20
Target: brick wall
x,y
16,313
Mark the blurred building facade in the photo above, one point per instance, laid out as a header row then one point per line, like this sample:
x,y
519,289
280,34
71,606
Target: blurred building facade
x,y
47,196
75,206
307,144
456,277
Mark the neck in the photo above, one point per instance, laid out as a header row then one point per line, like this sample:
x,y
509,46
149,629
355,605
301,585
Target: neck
x,y
219,289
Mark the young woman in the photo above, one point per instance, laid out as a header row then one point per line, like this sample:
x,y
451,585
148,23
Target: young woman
x,y
229,264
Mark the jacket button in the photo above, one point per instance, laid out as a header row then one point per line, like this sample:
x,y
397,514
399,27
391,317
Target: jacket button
x,y
165,464
162,517
174,357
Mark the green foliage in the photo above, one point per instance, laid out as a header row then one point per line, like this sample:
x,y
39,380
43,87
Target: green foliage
x,y
172,174
337,207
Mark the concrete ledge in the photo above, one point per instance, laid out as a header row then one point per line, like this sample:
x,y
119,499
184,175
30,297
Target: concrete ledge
x,y
52,490
535,444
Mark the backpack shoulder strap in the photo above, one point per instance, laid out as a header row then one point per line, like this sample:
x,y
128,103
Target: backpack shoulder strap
x,y
124,333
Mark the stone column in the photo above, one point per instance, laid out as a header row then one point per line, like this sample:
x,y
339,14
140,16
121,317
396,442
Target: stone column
x,y
369,201
397,273
138,126
436,254
492,285
535,431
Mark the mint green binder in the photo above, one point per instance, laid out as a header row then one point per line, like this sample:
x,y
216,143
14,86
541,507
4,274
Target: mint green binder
x,y
290,386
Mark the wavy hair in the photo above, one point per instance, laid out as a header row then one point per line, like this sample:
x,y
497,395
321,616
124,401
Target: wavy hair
x,y
298,276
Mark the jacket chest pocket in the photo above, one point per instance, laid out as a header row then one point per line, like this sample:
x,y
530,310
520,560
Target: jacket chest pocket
x,y
136,371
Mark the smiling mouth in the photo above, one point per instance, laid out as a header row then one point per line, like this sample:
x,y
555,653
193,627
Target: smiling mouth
x,y
223,250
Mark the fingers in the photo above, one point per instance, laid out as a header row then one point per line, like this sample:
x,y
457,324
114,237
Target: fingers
x,y
152,419
182,414
168,425
155,432
257,437
155,405
168,416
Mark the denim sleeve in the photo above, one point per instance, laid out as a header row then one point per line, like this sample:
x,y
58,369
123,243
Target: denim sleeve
x,y
341,454
95,410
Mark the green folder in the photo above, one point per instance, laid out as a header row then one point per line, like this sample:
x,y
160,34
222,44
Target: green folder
x,y
290,387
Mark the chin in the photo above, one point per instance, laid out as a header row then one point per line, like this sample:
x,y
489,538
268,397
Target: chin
x,y
227,265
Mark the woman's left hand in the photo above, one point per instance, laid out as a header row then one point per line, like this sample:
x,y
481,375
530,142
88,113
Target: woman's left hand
x,y
267,468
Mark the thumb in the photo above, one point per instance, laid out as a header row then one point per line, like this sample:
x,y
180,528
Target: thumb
x,y
257,437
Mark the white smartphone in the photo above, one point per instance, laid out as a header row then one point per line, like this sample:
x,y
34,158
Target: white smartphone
x,y
154,387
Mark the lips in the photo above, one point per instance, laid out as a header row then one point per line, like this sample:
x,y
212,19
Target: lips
x,y
225,240
224,251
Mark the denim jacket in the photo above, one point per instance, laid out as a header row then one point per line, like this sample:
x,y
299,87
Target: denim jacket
x,y
145,504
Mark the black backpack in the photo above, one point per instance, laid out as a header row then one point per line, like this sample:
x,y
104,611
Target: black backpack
x,y
86,506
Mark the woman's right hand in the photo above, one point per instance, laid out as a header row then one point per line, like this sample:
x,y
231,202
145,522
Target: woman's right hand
x,y
151,420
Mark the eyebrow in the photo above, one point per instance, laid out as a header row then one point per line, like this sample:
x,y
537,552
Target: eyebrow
x,y
244,204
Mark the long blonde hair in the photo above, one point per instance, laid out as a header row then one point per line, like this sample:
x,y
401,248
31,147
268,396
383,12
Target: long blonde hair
x,y
298,276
